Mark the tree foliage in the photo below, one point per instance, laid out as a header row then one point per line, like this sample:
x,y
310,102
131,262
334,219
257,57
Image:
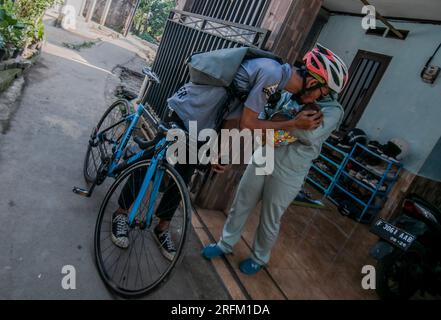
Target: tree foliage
x,y
151,17
33,10
21,22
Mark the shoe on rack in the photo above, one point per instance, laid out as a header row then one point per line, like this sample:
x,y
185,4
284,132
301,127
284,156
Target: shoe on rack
x,y
374,146
352,173
322,166
344,147
361,175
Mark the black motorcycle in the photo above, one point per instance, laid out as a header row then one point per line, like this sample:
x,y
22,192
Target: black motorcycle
x,y
409,251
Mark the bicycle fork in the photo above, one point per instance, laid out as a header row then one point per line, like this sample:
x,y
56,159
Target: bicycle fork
x,y
158,173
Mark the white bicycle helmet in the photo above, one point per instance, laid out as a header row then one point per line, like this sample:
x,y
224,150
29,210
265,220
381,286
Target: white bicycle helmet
x,y
327,67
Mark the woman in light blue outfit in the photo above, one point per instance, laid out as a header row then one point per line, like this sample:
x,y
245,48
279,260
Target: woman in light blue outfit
x,y
278,189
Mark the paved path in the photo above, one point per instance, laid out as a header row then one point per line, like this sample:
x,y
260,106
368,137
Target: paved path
x,y
43,225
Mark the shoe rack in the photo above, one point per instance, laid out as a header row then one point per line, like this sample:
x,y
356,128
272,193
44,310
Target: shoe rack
x,y
359,188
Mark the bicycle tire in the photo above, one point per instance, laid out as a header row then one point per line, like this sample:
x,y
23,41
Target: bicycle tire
x,y
163,278
87,175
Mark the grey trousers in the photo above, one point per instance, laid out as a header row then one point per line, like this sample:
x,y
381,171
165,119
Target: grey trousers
x,y
276,196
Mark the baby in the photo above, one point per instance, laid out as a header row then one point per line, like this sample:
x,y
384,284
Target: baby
x,y
282,137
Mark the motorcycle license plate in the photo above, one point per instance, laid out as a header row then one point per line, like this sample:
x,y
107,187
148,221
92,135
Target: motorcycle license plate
x,y
392,234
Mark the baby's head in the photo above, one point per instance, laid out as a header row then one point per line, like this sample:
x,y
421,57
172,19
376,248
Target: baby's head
x,y
311,107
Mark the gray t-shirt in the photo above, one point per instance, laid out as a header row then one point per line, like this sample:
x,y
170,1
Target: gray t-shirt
x,y
261,77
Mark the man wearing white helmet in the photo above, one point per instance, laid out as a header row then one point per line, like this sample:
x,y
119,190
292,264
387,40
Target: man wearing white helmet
x,y
321,78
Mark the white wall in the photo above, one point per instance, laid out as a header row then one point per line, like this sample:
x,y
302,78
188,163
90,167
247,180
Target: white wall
x,y
402,106
77,4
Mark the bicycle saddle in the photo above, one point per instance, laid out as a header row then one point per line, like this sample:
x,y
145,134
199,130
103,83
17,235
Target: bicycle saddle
x,y
151,75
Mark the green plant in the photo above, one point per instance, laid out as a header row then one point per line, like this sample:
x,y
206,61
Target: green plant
x,y
151,17
149,38
79,46
12,28
32,11
40,31
2,42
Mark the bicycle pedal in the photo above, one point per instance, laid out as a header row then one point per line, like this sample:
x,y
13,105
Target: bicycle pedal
x,y
81,192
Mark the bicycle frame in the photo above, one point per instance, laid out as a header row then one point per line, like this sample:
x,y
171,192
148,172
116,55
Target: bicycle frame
x,y
132,119
152,172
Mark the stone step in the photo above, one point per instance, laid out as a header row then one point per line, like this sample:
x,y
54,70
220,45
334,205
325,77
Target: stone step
x,y
8,76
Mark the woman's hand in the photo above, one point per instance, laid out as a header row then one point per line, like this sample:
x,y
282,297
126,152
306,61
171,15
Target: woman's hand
x,y
307,120
218,168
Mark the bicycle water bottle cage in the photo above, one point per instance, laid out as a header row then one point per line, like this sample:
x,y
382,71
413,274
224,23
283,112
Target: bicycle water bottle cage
x,y
151,75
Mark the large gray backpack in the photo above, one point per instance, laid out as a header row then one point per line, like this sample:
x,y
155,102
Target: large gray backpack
x,y
219,67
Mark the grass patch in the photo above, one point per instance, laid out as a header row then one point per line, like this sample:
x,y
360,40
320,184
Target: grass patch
x,y
79,46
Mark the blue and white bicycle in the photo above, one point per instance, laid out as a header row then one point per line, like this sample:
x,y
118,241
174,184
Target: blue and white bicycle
x,y
141,180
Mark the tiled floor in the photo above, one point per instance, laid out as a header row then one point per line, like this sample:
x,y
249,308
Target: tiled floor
x,y
319,255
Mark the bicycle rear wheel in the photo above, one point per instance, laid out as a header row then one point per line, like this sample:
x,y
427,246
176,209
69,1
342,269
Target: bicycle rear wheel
x,y
141,268
93,160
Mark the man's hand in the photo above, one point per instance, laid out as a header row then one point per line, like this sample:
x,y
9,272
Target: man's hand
x,y
218,168
307,120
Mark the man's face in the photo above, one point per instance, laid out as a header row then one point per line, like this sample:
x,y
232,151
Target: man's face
x,y
316,94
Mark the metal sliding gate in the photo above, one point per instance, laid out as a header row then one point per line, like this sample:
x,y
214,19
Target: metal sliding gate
x,y
187,32
248,12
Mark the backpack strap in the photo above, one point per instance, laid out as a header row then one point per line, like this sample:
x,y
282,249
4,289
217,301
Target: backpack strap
x,y
225,109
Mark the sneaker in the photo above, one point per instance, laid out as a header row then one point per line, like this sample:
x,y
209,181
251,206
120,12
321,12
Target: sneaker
x,y
120,230
375,146
371,182
322,166
361,175
165,243
212,251
250,267
304,199
344,147
352,173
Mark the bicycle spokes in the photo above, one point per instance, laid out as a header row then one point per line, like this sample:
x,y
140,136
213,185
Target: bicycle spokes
x,y
142,266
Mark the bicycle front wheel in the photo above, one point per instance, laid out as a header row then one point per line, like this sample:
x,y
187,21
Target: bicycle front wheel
x,y
140,268
112,118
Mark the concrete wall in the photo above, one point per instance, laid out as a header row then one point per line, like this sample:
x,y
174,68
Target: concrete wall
x,y
77,4
432,167
99,10
402,106
87,6
119,13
